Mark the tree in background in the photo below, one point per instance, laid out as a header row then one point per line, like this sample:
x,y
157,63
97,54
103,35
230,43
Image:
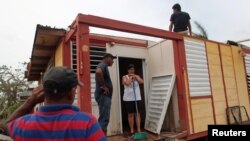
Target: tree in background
x,y
203,32
12,82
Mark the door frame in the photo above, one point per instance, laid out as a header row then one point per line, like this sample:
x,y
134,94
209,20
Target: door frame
x,y
145,85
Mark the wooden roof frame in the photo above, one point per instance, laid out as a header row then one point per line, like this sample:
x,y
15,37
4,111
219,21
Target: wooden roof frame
x,y
79,30
105,23
45,32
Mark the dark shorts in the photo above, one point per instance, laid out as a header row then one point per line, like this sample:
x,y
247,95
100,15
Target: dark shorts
x,y
130,106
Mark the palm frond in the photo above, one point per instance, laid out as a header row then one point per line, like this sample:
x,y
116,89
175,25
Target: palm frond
x,y
203,32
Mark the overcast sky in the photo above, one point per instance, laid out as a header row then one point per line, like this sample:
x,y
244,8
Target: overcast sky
x,y
223,19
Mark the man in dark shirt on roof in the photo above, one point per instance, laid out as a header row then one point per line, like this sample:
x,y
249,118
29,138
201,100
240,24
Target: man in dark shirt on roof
x,y
180,20
104,90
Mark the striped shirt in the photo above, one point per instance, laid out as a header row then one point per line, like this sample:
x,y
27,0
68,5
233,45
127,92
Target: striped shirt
x,y
58,123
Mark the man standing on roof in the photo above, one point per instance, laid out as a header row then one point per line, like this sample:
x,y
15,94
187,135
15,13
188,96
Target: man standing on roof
x,y
180,20
58,119
104,90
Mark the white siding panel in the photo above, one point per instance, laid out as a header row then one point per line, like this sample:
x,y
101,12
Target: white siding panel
x,y
96,55
92,85
197,69
73,51
160,94
73,58
247,65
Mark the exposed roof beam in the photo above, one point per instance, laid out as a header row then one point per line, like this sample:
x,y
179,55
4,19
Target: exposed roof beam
x,y
119,41
39,65
40,58
126,27
44,47
52,33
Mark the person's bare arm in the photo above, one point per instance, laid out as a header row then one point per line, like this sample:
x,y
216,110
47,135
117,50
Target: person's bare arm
x,y
190,28
126,80
138,79
100,79
171,26
27,107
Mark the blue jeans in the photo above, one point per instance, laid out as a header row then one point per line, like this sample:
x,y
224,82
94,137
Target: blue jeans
x,y
104,105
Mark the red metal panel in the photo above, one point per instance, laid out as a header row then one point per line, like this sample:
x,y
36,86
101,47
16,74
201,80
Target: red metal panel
x,y
99,44
197,135
127,27
119,41
83,67
182,99
246,50
71,32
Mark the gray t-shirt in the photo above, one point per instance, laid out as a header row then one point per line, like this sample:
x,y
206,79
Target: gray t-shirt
x,y
107,80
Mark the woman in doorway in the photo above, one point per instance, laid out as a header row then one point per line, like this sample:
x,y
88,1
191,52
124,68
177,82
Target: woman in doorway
x,y
131,83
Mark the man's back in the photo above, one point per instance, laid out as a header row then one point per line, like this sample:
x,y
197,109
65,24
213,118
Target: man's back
x,y
180,20
56,122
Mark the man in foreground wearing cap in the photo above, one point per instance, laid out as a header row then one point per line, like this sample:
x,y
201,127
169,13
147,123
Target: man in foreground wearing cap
x,y
58,119
104,90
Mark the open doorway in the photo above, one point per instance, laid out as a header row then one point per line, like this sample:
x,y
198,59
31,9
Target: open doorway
x,y
123,64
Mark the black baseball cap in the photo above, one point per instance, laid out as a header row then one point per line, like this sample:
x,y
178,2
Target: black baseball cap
x,y
59,79
109,55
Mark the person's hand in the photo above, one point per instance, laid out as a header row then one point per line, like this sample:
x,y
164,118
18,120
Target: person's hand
x,y
132,76
38,94
105,90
